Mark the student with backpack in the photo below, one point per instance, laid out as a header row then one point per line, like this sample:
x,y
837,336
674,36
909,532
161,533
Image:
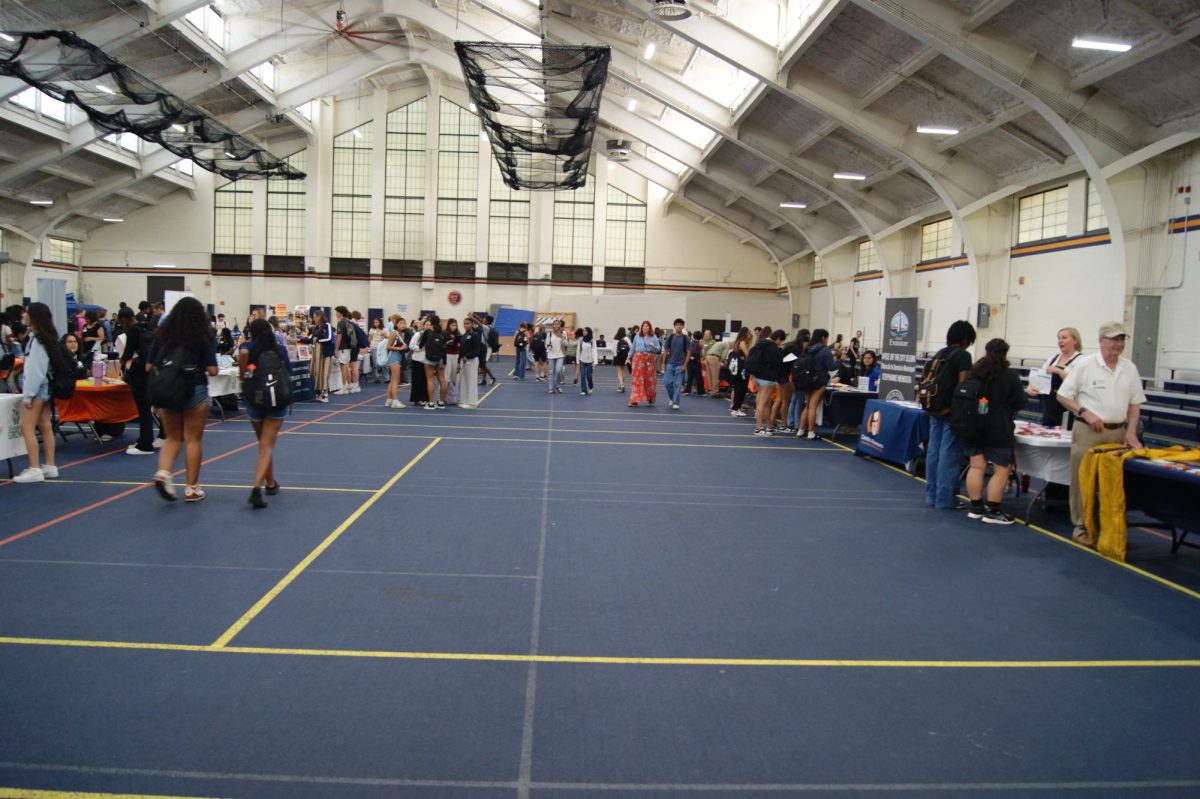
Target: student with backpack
x,y
491,338
433,344
267,391
347,349
677,354
181,359
134,358
981,415
764,364
797,347
944,452
585,356
736,363
44,362
520,344
322,340
695,366
811,375
621,356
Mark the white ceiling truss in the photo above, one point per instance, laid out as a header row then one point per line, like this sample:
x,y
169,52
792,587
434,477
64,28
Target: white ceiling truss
x,y
818,86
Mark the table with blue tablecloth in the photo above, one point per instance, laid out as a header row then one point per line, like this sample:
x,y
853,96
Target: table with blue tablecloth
x,y
893,431
844,406
1166,491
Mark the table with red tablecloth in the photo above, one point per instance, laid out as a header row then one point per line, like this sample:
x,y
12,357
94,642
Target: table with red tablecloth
x,y
110,402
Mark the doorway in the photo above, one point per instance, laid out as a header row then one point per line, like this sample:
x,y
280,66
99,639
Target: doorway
x,y
155,286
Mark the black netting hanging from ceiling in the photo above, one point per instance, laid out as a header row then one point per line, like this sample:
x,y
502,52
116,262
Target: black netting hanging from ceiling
x,y
118,99
538,104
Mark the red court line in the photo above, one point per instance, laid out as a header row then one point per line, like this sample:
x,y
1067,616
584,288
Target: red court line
x,y
135,489
91,458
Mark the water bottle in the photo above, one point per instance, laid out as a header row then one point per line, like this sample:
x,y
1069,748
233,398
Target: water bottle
x,y
983,406
98,372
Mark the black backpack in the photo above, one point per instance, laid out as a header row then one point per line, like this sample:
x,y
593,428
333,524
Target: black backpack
x,y
62,373
172,379
435,347
622,347
804,375
734,361
936,389
966,421
268,386
493,341
360,336
756,360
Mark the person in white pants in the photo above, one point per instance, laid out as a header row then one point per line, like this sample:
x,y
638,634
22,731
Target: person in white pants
x,y
470,347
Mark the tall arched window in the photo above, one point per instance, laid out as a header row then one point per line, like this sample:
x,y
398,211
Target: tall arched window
x,y
404,183
573,220
351,230
232,219
508,226
625,230
458,183
285,211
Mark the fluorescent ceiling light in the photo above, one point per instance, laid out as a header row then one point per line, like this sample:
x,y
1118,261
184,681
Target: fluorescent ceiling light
x,y
849,176
165,266
1096,43
937,130
179,128
41,202
105,89
792,205
230,155
7,38
473,107
632,104
112,219
650,48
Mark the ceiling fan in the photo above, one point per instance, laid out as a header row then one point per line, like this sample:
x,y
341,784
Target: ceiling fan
x,y
355,32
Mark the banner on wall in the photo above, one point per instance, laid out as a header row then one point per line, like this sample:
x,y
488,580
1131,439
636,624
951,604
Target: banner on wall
x,y
898,359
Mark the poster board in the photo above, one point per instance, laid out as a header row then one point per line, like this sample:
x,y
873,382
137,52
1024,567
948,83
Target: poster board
x,y
171,297
898,358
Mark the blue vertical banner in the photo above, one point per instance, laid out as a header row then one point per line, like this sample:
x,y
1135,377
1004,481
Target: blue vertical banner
x,y
898,361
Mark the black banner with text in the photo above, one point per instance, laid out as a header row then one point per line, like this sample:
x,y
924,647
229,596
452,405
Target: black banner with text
x,y
898,361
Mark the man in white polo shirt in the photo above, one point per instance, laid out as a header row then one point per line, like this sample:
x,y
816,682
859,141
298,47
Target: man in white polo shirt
x,y
1104,391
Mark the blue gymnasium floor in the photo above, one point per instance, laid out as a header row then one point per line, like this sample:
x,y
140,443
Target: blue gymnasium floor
x,y
562,598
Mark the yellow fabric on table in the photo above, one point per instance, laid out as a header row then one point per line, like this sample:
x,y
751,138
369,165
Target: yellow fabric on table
x,y
1102,484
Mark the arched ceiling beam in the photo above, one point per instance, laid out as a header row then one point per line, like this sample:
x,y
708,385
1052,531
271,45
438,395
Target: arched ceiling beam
x,y
751,56
933,22
985,11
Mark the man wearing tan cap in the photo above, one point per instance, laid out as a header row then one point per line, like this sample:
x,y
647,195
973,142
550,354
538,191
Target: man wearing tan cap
x,y
1104,391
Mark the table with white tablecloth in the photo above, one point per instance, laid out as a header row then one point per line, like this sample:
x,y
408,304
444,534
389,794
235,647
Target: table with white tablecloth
x,y
1044,453
224,382
12,443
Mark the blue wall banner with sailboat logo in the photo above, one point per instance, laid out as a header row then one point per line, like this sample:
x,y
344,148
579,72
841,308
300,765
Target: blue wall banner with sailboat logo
x,y
898,359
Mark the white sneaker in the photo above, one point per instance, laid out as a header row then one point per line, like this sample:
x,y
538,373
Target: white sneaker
x,y
132,449
811,435
467,407
30,476
675,406
398,404
158,442
49,471
356,388
387,403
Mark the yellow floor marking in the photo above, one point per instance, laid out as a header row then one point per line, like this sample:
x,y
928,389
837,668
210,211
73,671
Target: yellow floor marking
x,y
26,793
491,657
485,396
211,485
757,447
597,431
258,607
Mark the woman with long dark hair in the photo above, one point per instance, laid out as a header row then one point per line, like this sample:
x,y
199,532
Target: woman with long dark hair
x,y
321,339
433,343
620,356
185,329
738,354
1001,397
261,338
42,356
452,336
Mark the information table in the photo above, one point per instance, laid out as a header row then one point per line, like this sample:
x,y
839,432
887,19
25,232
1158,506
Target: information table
x,y
12,443
844,406
1044,452
111,402
1167,491
893,431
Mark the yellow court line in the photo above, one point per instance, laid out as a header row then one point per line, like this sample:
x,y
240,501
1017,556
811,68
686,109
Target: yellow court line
x,y
493,657
1063,540
210,485
258,607
541,429
758,448
26,793
485,396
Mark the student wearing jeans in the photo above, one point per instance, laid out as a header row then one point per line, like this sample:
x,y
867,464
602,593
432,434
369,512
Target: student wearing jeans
x,y
677,354
944,453
556,351
585,356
